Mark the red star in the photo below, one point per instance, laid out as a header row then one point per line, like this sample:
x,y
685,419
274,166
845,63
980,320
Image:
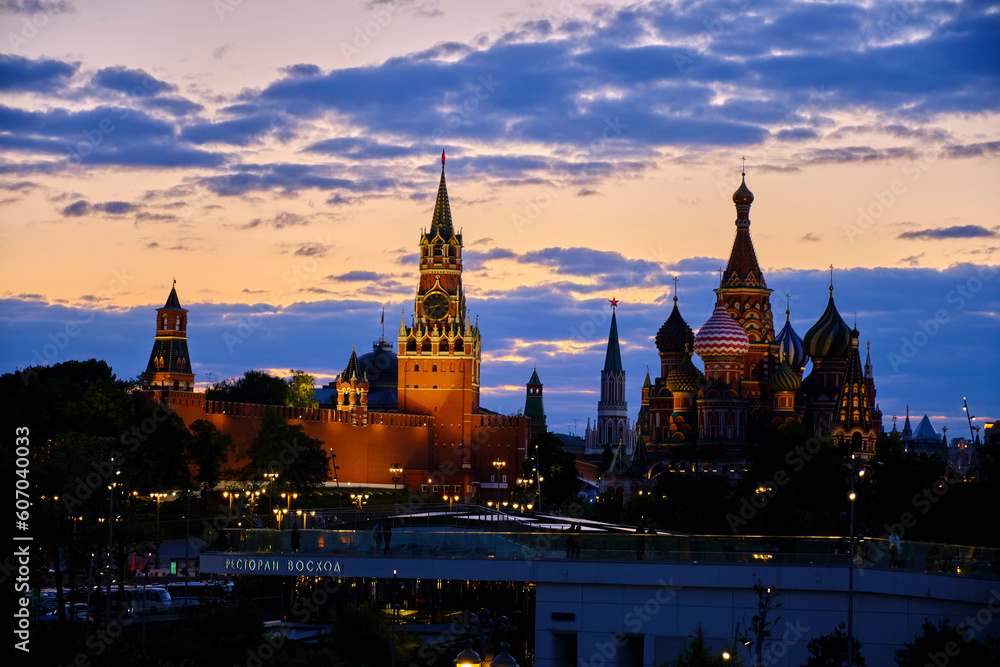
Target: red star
x,y
614,302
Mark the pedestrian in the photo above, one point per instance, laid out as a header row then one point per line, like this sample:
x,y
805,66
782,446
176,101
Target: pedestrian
x,y
640,544
377,536
387,534
895,550
577,541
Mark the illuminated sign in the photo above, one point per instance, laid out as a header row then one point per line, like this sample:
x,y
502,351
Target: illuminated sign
x,y
282,566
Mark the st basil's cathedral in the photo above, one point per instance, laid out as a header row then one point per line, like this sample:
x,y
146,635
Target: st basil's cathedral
x,y
692,421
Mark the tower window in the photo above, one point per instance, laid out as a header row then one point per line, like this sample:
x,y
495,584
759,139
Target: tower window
x,y
416,367
164,322
434,368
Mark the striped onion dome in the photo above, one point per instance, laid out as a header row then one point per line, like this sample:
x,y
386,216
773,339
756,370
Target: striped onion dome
x,y
784,379
686,376
675,335
721,336
830,336
790,346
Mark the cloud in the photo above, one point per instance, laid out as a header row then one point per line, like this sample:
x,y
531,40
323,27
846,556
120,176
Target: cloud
x,y
355,276
134,82
278,221
954,232
221,52
36,6
77,209
810,237
82,207
362,148
314,249
972,150
177,106
42,75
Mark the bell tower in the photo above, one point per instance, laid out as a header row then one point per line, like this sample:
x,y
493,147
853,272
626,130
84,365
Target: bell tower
x,y
439,353
169,364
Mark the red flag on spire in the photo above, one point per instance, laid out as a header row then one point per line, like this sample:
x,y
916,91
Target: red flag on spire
x,y
442,158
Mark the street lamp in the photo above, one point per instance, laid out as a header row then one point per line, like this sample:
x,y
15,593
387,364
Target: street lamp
x,y
468,657
396,469
289,496
111,524
336,479
450,500
230,495
158,496
360,499
505,659
852,496
499,464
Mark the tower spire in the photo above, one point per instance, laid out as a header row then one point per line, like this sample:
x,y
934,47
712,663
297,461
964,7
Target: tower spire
x,y
441,220
613,358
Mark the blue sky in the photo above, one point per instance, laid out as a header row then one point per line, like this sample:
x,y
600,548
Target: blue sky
x,y
282,160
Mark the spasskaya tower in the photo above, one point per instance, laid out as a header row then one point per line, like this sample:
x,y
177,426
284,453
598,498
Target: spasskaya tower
x,y
439,353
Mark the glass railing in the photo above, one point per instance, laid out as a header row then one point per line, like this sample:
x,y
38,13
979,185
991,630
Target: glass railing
x,y
444,542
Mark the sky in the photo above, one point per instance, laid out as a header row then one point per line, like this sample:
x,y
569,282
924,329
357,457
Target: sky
x,y
279,161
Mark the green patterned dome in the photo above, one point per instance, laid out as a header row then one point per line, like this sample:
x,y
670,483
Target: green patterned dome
x,y
784,379
830,336
686,377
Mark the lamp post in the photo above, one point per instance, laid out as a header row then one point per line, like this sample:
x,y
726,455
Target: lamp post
x,y
289,496
111,523
336,480
360,499
850,576
230,495
158,496
450,500
498,465
468,657
397,475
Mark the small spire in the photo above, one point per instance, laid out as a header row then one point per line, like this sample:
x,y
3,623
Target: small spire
x,y
831,280
675,290
442,159
788,305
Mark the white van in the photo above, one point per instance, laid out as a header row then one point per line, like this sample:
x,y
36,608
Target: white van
x,y
197,592
152,599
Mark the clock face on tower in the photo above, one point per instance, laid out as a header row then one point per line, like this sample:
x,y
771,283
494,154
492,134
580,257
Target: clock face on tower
x,y
436,306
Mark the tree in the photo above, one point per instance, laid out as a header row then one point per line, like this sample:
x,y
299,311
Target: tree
x,y
208,450
758,630
300,390
945,644
299,460
698,654
254,387
558,468
830,650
